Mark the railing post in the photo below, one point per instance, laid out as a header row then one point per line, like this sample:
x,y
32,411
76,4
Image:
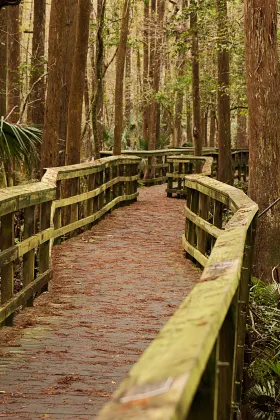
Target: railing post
x,y
29,257
116,175
7,271
225,362
204,402
203,213
170,178
242,312
44,249
57,212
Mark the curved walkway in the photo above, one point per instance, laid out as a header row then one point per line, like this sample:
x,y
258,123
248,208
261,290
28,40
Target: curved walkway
x,y
114,287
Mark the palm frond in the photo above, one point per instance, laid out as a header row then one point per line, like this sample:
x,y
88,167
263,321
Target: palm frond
x,y
19,142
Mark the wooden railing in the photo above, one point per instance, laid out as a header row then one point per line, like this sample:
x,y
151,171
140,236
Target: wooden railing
x,y
194,367
182,165
32,216
154,165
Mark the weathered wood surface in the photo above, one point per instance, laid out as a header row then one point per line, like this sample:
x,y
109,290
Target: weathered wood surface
x,y
166,383
182,165
64,358
101,180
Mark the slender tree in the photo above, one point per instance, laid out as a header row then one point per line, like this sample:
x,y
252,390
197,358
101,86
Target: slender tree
x,y
36,107
145,117
3,62
120,79
62,31
224,135
263,88
197,141
13,64
97,103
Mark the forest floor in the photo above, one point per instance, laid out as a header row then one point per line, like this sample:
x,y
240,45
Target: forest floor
x,y
114,287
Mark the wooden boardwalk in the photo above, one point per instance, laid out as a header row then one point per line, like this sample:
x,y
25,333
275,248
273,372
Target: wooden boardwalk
x,y
114,287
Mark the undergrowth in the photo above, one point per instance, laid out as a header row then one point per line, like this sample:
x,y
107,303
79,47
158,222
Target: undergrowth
x,y
262,399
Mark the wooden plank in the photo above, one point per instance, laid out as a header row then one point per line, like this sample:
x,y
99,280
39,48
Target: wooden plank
x,y
7,270
194,252
29,257
203,224
20,299
90,219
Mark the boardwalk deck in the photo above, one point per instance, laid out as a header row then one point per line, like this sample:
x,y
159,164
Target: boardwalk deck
x,y
114,287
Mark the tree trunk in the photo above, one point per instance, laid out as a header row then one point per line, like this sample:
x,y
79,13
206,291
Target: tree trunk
x,y
189,121
128,102
61,32
197,141
13,64
3,62
155,68
75,108
97,103
212,128
241,135
36,108
225,171
263,86
120,79
145,123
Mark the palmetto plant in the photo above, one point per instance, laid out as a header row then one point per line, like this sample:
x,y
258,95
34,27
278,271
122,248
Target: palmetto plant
x,y
19,142
263,398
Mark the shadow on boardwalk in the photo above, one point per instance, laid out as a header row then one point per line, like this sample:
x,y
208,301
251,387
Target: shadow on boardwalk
x,y
114,287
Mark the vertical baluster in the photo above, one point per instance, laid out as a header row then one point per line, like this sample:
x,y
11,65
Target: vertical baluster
x,y
116,175
225,357
204,405
102,194
170,178
29,257
7,239
194,209
58,213
180,174
203,213
44,249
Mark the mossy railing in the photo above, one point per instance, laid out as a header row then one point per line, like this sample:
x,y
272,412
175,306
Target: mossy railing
x,y
194,367
182,165
68,199
154,165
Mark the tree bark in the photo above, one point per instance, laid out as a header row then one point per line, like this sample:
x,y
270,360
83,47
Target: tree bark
x,y
263,87
145,117
97,104
128,102
61,32
212,128
155,68
195,80
120,79
75,108
241,135
36,108
224,135
13,64
3,63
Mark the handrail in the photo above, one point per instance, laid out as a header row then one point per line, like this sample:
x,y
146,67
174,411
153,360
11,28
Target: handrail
x,y
181,165
67,199
193,369
154,164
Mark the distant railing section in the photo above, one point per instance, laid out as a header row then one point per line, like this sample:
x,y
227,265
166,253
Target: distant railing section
x,y
182,165
154,165
68,199
194,367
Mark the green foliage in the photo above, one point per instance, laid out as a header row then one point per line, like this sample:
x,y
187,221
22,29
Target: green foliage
x,y
264,336
19,142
